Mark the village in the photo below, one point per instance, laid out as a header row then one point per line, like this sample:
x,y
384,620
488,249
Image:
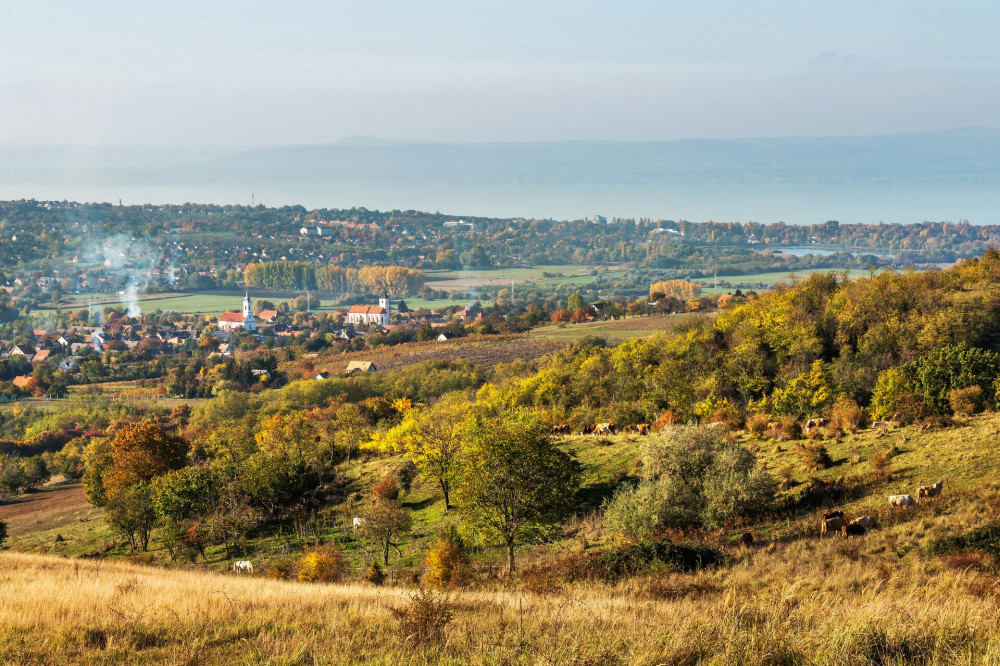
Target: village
x,y
44,361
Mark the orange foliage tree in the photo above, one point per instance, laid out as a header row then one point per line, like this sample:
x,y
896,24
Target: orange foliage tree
x,y
139,452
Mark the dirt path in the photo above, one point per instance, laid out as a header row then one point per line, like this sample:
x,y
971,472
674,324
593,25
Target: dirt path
x,y
23,513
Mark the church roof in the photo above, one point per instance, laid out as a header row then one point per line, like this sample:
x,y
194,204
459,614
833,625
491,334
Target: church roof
x,y
366,309
235,317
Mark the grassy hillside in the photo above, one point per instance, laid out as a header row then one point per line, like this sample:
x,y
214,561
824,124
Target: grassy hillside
x,y
793,597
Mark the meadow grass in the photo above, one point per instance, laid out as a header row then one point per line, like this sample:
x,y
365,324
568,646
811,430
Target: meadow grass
x,y
792,598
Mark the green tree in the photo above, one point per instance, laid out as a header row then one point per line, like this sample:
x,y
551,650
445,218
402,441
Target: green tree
x,y
691,476
515,483
130,512
385,522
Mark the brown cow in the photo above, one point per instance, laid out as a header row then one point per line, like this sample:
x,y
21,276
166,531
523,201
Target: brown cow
x,y
833,514
930,491
746,540
589,429
832,525
642,429
853,529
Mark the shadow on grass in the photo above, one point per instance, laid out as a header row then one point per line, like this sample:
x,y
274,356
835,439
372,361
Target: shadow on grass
x,y
592,496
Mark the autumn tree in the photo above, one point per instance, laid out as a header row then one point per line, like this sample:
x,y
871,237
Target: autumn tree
x,y
515,483
139,452
432,439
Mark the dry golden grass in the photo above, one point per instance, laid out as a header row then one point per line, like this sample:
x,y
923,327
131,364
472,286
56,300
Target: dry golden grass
x,y
793,598
876,600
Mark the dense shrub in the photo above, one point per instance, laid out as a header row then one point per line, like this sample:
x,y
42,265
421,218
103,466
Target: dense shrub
x,y
847,416
322,564
790,427
983,539
282,568
757,424
691,476
645,556
446,562
375,575
815,457
965,401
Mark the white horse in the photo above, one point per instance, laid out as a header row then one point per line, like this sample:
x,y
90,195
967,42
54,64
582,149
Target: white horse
x,y
243,566
357,523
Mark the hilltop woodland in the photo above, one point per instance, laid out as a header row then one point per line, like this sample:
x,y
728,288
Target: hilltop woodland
x,y
55,250
451,472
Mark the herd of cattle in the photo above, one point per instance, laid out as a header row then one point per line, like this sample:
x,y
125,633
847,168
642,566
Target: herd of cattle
x,y
836,521
609,428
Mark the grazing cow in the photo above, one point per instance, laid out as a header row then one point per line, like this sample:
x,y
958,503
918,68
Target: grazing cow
x,y
357,523
590,429
833,514
561,429
642,429
832,525
243,567
866,522
881,424
607,429
746,540
901,500
930,491
853,529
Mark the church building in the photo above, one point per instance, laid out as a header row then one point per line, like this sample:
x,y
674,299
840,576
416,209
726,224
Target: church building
x,y
370,314
235,321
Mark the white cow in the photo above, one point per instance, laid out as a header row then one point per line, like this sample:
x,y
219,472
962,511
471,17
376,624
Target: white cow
x,y
866,522
357,523
243,567
901,500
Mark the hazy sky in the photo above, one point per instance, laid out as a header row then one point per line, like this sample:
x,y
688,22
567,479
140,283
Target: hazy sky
x,y
257,73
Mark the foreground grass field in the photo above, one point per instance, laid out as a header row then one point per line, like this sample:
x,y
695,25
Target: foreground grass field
x,y
791,598
879,600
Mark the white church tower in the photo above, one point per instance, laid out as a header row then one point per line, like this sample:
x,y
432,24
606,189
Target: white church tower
x,y
384,302
249,321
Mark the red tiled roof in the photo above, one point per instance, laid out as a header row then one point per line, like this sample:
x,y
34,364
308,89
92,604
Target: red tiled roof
x,y
235,317
366,309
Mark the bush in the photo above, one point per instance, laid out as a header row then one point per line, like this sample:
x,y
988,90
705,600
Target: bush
x,y
667,418
965,401
983,539
847,416
424,619
322,564
645,556
815,457
881,467
386,489
790,427
3,533
757,424
375,575
691,476
446,562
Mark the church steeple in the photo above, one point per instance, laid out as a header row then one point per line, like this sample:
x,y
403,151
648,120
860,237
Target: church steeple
x,y
247,307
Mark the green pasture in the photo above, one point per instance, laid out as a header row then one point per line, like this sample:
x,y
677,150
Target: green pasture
x,y
772,279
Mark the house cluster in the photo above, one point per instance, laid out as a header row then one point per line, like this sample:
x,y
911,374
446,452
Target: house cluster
x,y
71,344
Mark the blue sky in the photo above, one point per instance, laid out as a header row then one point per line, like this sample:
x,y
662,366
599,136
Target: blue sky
x,y
262,73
